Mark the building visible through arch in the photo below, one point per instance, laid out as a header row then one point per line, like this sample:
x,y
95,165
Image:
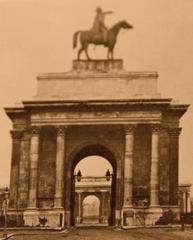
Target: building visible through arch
x,y
91,209
90,187
96,182
96,108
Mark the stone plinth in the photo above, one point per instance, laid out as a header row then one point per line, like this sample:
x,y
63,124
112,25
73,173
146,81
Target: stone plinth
x,y
97,80
53,218
98,65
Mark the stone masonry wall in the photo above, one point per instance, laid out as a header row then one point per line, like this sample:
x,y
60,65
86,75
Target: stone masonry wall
x,y
109,136
142,162
46,167
164,168
24,170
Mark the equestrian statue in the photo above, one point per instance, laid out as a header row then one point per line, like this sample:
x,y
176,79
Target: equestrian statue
x,y
99,34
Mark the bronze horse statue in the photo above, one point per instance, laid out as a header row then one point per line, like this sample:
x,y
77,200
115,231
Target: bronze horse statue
x,y
91,37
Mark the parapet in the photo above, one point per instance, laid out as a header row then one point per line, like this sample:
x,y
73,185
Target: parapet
x,y
97,80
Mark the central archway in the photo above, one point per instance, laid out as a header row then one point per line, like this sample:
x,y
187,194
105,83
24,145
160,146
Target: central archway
x,y
97,150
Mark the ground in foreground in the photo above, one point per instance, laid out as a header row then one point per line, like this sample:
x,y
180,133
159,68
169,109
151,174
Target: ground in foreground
x,y
95,233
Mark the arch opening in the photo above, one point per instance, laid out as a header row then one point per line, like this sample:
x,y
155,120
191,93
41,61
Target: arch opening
x,y
93,163
91,209
93,166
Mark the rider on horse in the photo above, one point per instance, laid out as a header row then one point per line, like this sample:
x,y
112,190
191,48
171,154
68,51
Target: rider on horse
x,y
99,25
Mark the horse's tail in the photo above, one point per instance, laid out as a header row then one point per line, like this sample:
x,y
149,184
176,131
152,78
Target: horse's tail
x,y
75,36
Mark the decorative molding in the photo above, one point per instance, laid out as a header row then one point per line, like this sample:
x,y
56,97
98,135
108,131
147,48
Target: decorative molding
x,y
130,128
99,74
174,132
16,134
61,130
95,117
34,130
156,128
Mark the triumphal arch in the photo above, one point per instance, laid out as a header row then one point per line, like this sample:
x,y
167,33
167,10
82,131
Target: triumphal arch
x,y
96,108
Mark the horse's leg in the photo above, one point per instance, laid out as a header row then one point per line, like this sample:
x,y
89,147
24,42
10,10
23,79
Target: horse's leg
x,y
108,51
112,53
86,51
82,43
79,52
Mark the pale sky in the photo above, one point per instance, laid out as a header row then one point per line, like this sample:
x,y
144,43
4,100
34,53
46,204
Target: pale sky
x,y
87,169
36,37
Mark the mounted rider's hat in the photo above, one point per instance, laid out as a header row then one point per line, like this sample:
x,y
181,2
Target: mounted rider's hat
x,y
98,9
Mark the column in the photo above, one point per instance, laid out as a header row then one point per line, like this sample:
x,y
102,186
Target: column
x,y
60,155
103,207
154,178
34,157
128,166
23,170
117,195
15,161
174,142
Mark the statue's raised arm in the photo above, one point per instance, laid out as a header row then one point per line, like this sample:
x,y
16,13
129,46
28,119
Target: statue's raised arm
x,y
99,24
99,34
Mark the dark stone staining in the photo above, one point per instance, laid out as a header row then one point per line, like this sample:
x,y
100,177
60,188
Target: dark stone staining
x,y
46,167
141,163
168,217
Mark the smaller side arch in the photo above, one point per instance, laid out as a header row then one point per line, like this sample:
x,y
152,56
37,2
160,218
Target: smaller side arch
x,y
95,210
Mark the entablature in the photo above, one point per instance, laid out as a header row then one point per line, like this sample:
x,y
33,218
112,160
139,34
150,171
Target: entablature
x,y
141,111
105,117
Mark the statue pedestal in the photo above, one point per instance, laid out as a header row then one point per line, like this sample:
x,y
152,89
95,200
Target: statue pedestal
x,y
97,65
97,80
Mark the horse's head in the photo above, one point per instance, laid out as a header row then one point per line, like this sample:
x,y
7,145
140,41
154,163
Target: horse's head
x,y
126,25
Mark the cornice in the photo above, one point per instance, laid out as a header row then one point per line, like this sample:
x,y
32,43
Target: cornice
x,y
177,109
73,103
15,112
76,74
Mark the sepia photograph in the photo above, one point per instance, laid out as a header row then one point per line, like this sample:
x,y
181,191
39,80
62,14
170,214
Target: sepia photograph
x,y
96,119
